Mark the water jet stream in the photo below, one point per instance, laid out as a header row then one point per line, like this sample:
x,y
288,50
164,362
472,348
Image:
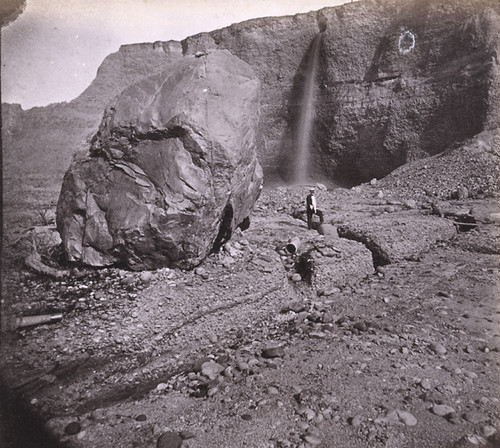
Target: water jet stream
x,y
306,117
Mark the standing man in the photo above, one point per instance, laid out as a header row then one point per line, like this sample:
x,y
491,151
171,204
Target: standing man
x,y
310,207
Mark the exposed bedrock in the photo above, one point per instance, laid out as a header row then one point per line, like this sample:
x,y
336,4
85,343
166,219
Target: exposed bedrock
x,y
171,172
396,81
394,239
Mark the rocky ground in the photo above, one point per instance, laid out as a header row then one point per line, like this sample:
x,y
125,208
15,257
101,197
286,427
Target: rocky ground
x,y
399,351
382,330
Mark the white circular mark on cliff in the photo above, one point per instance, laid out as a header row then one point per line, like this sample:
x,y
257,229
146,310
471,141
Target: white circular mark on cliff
x,y
406,42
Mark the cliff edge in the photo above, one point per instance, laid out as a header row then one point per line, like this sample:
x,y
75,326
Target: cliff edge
x,y
397,81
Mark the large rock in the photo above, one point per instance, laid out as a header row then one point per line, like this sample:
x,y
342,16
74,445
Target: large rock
x,y
384,97
393,238
172,170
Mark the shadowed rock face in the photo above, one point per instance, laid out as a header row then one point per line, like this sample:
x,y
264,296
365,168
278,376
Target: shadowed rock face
x,y
172,170
396,81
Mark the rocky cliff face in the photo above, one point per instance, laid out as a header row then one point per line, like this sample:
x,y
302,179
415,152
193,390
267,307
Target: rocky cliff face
x,y
397,80
124,68
41,141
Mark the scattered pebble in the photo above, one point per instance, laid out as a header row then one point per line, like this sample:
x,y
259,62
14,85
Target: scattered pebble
x,y
329,317
296,306
146,277
354,421
475,417
200,271
442,410
361,326
407,418
308,413
273,390
317,335
438,348
488,430
394,416
410,203
470,441
72,428
425,384
312,439
211,369
212,337
169,440
273,352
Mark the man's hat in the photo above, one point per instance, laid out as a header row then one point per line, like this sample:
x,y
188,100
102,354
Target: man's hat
x,y
311,188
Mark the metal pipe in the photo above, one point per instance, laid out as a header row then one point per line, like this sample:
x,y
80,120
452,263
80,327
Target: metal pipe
x,y
12,322
28,321
293,245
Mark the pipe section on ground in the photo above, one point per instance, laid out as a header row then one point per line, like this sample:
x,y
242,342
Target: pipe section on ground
x,y
293,245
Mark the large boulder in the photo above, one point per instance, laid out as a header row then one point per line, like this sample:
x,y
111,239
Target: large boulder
x,y
393,238
172,170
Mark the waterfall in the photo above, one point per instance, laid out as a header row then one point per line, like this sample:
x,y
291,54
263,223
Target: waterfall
x,y
306,116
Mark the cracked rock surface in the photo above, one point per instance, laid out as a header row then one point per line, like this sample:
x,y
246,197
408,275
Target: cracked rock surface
x,y
171,172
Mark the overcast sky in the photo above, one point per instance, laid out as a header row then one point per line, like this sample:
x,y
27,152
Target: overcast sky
x,y
51,52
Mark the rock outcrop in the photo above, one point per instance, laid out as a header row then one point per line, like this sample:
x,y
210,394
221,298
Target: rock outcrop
x,y
397,81
172,170
392,240
40,142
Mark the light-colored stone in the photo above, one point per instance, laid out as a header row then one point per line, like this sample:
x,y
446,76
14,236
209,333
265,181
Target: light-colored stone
x,y
442,410
355,421
425,384
312,439
475,417
488,430
211,369
317,335
406,417
438,348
